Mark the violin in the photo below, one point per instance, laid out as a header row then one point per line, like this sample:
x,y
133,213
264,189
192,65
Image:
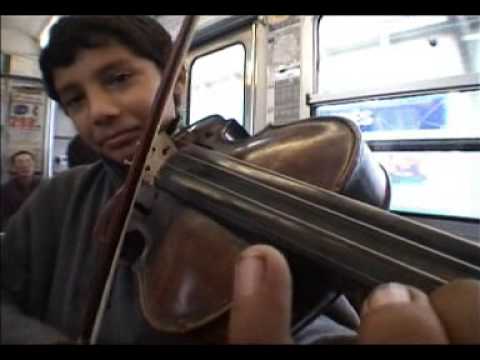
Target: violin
x,y
194,199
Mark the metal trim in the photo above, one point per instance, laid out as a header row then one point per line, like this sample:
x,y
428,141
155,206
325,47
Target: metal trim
x,y
457,219
49,138
307,63
316,57
252,74
260,76
454,83
221,28
21,77
462,144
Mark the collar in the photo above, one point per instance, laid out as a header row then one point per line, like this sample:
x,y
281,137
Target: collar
x,y
118,172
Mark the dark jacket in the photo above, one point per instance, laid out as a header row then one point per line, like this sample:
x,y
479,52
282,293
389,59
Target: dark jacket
x,y
12,195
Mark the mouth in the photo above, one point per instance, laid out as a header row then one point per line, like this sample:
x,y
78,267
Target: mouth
x,y
121,139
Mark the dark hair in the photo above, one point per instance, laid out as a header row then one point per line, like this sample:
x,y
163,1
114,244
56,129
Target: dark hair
x,y
143,35
21,152
80,153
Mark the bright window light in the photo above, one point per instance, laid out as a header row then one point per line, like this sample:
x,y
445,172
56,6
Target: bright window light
x,y
45,35
471,37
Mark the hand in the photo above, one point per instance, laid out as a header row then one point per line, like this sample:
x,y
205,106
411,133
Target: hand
x,y
396,313
262,298
393,313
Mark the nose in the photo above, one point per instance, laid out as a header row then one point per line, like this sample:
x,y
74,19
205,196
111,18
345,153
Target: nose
x,y
102,108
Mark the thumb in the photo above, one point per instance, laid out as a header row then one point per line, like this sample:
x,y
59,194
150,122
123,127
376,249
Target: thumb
x,y
458,306
261,298
398,314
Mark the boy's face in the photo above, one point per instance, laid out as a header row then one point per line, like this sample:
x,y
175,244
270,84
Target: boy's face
x,y
108,93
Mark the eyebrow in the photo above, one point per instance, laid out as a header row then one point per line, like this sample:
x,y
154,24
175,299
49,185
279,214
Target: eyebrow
x,y
69,87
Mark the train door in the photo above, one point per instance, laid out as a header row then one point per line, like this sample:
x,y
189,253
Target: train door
x,y
258,74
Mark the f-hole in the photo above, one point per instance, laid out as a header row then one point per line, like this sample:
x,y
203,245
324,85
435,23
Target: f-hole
x,y
133,247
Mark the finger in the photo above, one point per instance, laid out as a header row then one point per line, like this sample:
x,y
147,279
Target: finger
x,y
262,298
458,306
397,314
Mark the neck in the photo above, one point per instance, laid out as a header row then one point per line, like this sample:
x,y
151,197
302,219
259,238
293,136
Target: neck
x,y
117,170
24,181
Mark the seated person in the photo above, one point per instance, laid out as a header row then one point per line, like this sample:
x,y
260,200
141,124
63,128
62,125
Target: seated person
x,y
19,187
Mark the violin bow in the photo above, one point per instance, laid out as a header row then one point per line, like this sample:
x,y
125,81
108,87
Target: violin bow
x,y
155,148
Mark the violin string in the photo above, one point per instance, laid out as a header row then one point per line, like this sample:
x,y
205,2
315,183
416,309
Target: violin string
x,y
311,187
343,239
335,213
324,208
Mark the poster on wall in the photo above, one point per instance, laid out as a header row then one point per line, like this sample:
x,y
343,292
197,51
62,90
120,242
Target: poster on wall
x,y
284,71
25,122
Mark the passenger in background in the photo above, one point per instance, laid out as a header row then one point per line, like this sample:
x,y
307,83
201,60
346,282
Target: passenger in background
x,y
80,153
20,187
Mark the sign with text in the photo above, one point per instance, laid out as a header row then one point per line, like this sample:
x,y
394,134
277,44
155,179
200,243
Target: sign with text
x,y
26,122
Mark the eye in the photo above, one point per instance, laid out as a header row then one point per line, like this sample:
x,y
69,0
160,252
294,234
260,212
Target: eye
x,y
117,78
73,103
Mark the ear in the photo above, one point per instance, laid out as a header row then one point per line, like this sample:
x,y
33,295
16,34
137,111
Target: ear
x,y
180,86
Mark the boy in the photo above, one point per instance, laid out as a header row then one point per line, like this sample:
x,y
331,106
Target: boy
x,y
104,72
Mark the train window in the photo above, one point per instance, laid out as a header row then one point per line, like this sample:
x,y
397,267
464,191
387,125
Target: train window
x,y
217,84
412,85
380,54
438,116
434,182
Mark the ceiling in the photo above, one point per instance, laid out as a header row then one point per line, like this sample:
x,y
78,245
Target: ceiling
x,y
31,25
20,37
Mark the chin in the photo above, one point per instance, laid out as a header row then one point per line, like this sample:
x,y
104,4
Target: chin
x,y
120,157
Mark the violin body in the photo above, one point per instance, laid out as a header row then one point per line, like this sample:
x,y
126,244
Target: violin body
x,y
325,152
187,256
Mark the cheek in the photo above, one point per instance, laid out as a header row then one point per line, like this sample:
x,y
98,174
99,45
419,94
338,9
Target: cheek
x,y
143,106
140,110
169,112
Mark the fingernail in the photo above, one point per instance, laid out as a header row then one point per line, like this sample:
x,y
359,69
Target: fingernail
x,y
248,274
387,294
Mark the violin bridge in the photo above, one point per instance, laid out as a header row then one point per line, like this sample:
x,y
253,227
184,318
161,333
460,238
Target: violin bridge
x,y
160,151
